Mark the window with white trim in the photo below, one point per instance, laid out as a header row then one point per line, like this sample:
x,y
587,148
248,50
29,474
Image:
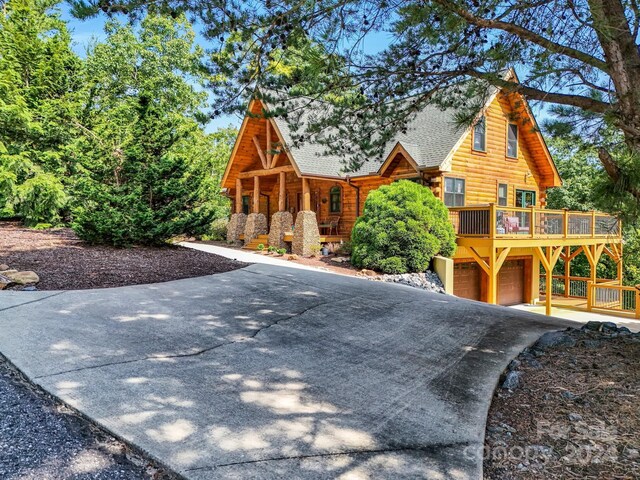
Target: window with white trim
x,y
480,135
454,192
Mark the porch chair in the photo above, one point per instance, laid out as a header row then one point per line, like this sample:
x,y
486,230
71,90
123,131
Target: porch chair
x,y
331,224
511,224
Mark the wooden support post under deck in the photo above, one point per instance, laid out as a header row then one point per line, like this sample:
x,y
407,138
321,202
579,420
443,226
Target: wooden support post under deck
x,y
549,290
567,270
238,195
306,195
256,194
492,290
282,193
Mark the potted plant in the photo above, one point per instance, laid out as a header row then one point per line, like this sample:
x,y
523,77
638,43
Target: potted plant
x,y
324,250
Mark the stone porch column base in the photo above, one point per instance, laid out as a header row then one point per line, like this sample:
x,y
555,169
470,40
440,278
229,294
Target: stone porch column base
x,y
281,222
306,233
256,225
235,228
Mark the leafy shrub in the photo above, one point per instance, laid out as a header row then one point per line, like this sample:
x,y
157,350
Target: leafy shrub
x,y
218,229
402,227
281,251
315,250
42,226
272,249
261,246
344,248
39,199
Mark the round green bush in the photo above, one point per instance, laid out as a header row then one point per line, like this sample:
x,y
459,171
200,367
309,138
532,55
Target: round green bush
x,y
402,227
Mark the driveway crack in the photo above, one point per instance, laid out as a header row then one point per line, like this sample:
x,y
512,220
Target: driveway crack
x,y
32,301
191,354
409,448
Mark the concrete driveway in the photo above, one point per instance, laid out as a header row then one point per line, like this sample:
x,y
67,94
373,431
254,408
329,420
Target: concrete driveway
x,y
267,372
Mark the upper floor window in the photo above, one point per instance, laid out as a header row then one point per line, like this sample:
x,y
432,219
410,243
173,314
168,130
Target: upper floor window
x,y
335,199
512,140
480,135
502,194
454,192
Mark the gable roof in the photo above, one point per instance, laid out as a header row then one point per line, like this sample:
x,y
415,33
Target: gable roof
x,y
431,139
431,135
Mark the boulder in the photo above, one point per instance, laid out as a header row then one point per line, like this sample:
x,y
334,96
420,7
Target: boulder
x,y
4,282
292,256
3,267
368,273
340,259
512,380
554,339
21,278
592,326
609,327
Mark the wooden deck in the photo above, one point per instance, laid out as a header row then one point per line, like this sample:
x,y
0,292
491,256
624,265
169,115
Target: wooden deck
x,y
580,304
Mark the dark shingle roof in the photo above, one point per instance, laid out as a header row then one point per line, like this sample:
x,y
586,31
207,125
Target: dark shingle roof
x,y
430,137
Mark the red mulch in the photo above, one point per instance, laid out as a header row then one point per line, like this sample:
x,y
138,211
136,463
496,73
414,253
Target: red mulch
x,y
65,262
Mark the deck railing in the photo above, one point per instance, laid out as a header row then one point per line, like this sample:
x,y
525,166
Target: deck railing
x,y
493,221
570,287
617,298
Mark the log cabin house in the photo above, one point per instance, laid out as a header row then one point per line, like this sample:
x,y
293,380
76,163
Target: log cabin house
x,y
493,176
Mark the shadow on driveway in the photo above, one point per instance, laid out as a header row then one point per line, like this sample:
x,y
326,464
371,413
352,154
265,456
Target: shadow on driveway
x,y
269,371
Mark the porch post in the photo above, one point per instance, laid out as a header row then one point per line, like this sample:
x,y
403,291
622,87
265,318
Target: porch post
x,y
306,195
281,221
238,195
306,237
282,193
620,266
238,220
256,222
256,194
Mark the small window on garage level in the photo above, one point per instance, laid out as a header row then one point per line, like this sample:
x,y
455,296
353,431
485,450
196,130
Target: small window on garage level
x,y
335,199
454,192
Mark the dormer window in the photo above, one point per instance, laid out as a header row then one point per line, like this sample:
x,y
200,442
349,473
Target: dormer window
x,y
480,135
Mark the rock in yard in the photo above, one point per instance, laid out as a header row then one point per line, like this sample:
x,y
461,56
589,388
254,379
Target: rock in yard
x,y
30,288
3,267
292,256
609,327
575,417
555,339
624,331
4,282
592,325
368,273
22,278
512,380
340,259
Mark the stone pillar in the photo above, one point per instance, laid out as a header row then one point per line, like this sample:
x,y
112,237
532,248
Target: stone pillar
x,y
256,225
281,222
305,233
235,228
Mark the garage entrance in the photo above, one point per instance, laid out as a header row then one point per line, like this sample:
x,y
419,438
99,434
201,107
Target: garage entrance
x,y
511,283
467,280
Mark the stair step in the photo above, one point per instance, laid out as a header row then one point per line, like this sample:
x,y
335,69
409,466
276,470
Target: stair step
x,y
253,244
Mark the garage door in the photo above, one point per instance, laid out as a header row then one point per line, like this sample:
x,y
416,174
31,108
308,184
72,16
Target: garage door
x,y
511,283
466,280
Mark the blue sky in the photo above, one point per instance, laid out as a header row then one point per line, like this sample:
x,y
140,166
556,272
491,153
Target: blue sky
x,y
84,31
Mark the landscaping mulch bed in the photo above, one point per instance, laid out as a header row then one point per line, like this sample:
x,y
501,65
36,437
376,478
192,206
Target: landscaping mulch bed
x,y
42,439
65,262
575,413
